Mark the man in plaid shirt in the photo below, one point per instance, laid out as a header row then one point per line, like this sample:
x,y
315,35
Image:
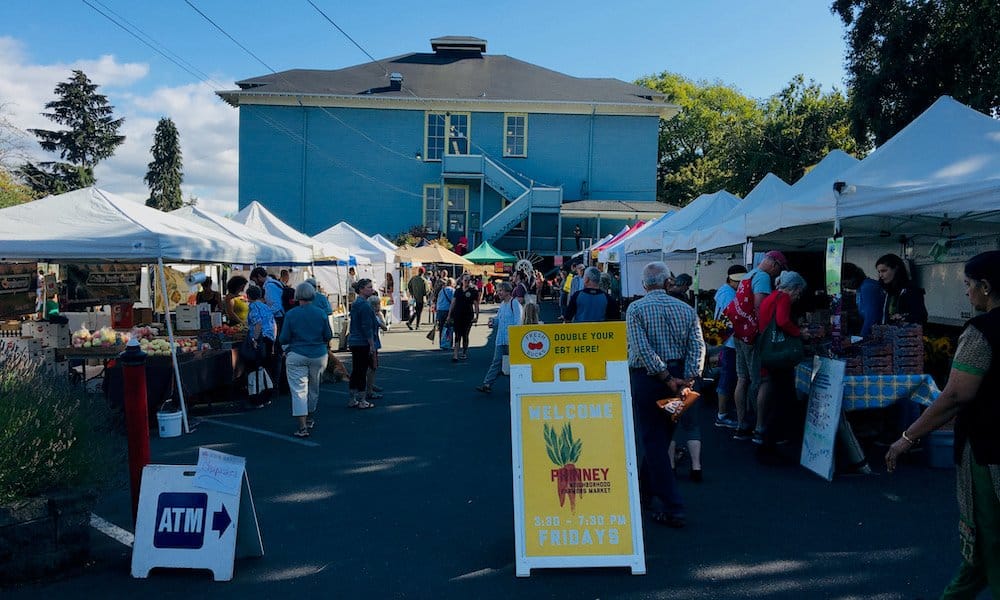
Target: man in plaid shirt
x,y
666,352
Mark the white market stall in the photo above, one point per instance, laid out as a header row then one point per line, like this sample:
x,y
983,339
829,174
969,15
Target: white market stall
x,y
374,259
268,249
91,224
646,244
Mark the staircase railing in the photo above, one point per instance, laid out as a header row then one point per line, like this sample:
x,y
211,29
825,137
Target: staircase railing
x,y
523,195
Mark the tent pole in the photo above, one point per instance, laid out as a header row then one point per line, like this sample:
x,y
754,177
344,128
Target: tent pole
x,y
173,347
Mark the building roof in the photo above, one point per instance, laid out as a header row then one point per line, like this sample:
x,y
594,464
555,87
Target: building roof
x,y
615,209
458,69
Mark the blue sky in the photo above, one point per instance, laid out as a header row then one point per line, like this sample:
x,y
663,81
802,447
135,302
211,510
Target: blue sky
x,y
757,46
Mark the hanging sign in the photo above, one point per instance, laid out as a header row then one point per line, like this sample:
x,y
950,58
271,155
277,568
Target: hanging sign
x,y
826,395
181,524
576,494
834,260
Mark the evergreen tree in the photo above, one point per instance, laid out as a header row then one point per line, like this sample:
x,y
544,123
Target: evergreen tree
x,y
90,137
164,176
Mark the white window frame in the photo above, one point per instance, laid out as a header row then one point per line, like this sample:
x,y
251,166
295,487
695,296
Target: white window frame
x,y
509,132
450,119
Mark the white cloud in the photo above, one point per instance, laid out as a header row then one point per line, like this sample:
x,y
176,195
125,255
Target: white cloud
x,y
207,126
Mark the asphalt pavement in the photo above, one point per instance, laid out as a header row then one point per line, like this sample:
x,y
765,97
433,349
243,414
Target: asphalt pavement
x,y
413,499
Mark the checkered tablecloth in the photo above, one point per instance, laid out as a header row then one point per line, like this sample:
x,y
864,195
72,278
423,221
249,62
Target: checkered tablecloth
x,y
876,391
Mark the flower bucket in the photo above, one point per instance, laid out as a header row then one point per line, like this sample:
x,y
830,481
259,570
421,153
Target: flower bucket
x,y
170,424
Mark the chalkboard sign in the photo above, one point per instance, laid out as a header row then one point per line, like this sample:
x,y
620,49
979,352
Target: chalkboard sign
x,y
826,395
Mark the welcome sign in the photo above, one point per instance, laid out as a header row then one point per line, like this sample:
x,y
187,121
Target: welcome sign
x,y
575,479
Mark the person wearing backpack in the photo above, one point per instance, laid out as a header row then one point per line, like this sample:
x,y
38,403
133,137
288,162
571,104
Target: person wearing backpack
x,y
742,313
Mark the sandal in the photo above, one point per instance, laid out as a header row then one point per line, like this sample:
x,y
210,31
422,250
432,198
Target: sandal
x,y
669,520
364,404
302,433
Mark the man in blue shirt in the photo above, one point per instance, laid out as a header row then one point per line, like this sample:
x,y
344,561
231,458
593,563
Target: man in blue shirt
x,y
591,304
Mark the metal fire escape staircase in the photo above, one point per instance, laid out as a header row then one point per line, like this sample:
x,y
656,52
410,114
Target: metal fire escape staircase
x,y
524,196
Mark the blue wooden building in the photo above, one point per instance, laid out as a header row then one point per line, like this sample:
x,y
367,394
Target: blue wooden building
x,y
467,143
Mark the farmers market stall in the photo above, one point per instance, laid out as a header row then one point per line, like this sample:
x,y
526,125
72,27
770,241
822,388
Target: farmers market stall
x,y
94,226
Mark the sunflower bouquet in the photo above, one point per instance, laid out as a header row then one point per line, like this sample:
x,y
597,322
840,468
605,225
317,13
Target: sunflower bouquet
x,y
715,331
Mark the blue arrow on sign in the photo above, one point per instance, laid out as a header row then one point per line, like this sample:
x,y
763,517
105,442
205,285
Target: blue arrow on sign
x,y
221,520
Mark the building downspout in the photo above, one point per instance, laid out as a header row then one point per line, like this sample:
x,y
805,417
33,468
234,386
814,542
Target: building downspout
x,y
305,149
590,152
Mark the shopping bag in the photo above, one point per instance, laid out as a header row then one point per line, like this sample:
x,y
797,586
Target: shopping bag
x,y
777,350
446,334
259,386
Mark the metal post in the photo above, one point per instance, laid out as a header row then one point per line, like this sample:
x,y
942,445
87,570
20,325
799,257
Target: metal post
x,y
173,347
133,361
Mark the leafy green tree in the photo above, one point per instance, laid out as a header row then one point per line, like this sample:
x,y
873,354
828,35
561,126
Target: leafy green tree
x,y
801,125
696,146
904,54
722,139
90,137
164,176
12,192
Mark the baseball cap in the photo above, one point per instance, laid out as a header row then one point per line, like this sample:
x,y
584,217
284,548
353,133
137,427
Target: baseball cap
x,y
778,257
737,272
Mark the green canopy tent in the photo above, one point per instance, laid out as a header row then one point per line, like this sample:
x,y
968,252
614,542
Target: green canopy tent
x,y
486,254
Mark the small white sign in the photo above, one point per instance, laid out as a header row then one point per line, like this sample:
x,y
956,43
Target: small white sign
x,y
181,525
826,396
219,471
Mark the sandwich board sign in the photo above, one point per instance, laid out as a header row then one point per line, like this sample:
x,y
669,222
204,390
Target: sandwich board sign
x,y
183,522
826,396
576,491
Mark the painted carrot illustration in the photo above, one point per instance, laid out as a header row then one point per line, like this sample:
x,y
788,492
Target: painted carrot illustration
x,y
564,452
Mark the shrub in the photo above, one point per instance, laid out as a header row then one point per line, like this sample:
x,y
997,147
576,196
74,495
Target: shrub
x,y
52,435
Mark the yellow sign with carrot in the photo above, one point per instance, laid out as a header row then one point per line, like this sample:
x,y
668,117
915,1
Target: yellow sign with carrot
x,y
576,492
575,484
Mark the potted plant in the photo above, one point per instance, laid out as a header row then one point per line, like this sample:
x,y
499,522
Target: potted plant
x,y
59,448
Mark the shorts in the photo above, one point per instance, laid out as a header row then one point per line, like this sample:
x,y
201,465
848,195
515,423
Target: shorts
x,y
747,361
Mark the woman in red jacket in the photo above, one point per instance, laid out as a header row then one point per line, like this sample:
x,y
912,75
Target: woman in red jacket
x,y
776,415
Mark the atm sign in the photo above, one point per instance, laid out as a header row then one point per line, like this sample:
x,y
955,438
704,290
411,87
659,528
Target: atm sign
x,y
180,520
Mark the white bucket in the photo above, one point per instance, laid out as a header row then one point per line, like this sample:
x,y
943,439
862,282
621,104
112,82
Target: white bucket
x,y
170,424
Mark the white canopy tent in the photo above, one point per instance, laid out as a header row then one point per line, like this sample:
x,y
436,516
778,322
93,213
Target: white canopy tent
x,y
645,245
374,260
385,242
256,217
267,248
90,224
944,167
780,217
93,224
766,192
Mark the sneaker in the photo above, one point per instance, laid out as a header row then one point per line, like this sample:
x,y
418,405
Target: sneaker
x,y
376,388
301,433
408,326
374,396
310,423
758,438
353,403
484,389
742,434
726,422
